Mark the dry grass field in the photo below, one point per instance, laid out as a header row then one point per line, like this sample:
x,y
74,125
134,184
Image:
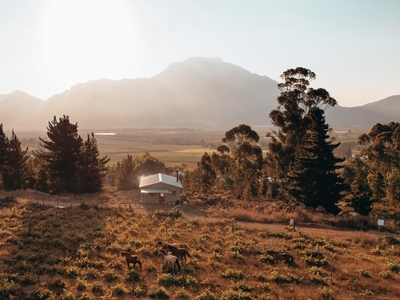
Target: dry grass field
x,y
69,248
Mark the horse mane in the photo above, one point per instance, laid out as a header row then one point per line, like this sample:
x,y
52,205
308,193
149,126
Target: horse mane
x,y
163,251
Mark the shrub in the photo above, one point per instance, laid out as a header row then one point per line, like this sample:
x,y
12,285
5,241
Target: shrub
x,y
27,280
364,273
57,284
392,240
139,291
72,272
97,288
181,294
234,295
110,276
326,293
40,295
119,290
233,274
81,286
169,280
173,213
158,293
386,274
206,295
7,290
133,276
393,265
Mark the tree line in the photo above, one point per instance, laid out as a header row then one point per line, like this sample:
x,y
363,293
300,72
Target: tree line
x,y
67,163
299,165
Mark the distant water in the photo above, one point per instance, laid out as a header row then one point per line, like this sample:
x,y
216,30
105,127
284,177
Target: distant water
x,y
104,133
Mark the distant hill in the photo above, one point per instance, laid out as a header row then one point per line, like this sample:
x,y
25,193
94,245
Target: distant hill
x,y
201,93
382,111
19,109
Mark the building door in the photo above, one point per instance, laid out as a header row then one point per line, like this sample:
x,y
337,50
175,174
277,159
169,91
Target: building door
x,y
162,198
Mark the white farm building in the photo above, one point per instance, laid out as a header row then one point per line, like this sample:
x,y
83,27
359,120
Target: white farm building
x,y
160,188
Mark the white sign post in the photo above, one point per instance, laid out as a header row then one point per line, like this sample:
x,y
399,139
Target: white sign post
x,y
380,223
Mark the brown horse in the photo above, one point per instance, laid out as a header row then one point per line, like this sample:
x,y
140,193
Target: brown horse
x,y
181,253
277,256
134,259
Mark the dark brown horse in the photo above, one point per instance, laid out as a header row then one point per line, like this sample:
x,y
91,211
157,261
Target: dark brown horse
x,y
133,259
277,256
181,253
161,244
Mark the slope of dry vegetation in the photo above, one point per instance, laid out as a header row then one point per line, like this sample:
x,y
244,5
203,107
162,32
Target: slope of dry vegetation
x,y
74,253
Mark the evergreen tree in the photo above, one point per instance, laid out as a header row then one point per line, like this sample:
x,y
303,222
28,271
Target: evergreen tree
x,y
377,184
296,101
393,187
3,148
125,177
91,167
314,179
205,173
358,194
62,155
14,165
361,196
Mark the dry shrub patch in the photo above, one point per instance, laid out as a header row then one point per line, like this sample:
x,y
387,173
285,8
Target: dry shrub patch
x,y
74,253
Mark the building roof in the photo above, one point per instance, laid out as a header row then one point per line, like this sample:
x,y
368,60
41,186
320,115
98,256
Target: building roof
x,y
146,181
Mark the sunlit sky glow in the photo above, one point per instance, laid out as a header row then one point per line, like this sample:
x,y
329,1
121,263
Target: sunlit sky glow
x,y
353,46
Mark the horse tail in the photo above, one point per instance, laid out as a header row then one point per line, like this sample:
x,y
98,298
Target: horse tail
x,y
177,263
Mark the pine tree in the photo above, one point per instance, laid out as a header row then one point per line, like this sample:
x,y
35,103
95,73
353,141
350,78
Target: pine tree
x,y
296,101
314,179
3,147
14,166
125,177
206,173
62,155
91,167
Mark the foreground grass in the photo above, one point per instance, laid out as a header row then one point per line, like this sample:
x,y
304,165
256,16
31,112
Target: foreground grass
x,y
74,253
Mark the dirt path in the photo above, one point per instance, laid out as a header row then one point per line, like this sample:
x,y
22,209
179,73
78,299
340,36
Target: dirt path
x,y
112,198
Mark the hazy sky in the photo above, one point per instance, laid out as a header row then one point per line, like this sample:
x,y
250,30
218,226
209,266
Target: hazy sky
x,y
47,46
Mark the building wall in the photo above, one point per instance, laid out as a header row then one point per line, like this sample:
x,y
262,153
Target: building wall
x,y
173,196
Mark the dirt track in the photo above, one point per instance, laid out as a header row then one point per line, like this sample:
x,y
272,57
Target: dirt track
x,y
113,198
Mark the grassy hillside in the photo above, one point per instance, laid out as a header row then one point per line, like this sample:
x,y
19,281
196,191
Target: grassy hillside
x,y
74,253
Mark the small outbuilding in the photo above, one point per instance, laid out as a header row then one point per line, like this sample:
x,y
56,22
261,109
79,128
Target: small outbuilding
x,y
160,188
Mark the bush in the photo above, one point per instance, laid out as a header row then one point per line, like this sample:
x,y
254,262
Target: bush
x,y
233,274
169,280
206,295
7,290
173,213
158,293
40,295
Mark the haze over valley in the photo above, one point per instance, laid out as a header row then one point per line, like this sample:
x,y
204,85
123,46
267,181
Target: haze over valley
x,y
199,93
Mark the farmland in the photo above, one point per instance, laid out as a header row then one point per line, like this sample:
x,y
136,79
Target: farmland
x,y
172,147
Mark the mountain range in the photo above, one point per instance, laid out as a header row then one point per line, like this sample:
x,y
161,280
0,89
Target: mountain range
x,y
198,93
